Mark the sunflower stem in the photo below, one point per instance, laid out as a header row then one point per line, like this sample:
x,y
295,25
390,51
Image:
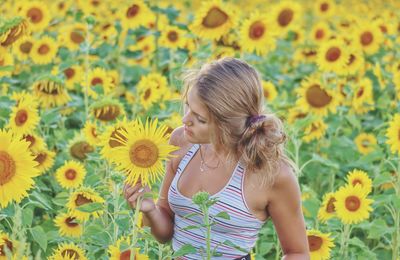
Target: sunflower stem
x,y
396,218
116,196
344,240
135,229
88,28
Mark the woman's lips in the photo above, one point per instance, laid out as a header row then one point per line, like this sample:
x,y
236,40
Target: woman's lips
x,y
188,131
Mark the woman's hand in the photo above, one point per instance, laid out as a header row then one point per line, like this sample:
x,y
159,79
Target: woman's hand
x,y
132,193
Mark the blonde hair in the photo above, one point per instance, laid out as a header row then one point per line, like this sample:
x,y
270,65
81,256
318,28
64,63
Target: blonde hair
x,y
232,92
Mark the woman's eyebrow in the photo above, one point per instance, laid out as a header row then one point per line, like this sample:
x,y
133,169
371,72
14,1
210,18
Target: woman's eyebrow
x,y
197,114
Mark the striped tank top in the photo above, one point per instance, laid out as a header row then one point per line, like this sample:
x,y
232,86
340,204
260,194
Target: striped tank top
x,y
241,229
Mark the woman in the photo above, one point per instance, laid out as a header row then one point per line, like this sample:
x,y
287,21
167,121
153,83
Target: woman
x,y
230,148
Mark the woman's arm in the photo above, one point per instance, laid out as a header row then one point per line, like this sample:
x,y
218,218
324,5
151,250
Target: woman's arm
x,y
285,210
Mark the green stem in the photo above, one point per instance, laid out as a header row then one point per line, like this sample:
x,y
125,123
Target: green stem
x,y
135,228
344,240
208,234
87,71
115,198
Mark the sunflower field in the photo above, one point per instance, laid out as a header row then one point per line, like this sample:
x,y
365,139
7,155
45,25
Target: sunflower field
x,y
91,90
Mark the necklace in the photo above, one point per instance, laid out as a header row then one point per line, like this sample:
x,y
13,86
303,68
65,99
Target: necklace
x,y
203,163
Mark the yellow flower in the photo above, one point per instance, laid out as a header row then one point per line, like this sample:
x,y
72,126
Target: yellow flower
x,y
90,131
359,177
37,13
6,61
68,225
214,19
107,109
22,48
12,30
82,196
45,158
36,143
285,15
368,37
257,34
172,37
392,134
50,92
352,205
325,8
24,118
363,101
365,143
320,244
143,150
44,50
356,62
123,250
316,98
314,131
97,76
78,147
320,32
333,56
73,35
327,209
73,75
6,242
270,92
17,169
71,174
134,14
68,251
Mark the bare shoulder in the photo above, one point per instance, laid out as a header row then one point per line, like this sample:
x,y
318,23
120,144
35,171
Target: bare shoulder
x,y
286,183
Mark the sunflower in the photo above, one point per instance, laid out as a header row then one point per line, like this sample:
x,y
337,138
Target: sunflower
x,y
295,114
107,109
50,91
285,15
324,8
359,177
214,19
333,56
37,14
22,48
363,100
108,142
36,143
78,147
134,14
327,209
356,62
45,159
13,29
320,32
143,150
320,244
6,63
97,76
270,92
73,35
377,70
172,37
68,251
6,244
60,7
257,34
68,225
365,143
352,205
121,250
315,97
18,167
145,44
393,134
71,174
82,196
107,32
24,118
24,95
90,131
314,131
73,75
305,54
368,37
44,50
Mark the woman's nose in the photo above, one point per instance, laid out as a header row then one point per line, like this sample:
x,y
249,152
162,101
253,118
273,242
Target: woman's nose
x,y
186,119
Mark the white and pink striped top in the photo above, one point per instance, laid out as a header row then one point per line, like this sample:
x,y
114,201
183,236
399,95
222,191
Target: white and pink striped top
x,y
241,229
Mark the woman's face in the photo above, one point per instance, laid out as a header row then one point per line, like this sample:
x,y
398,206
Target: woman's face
x,y
196,119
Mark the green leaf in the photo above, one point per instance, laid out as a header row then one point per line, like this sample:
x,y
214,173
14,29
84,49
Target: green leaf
x,y
184,250
378,228
229,243
27,216
223,215
41,199
382,178
191,227
191,215
39,236
90,207
6,68
325,161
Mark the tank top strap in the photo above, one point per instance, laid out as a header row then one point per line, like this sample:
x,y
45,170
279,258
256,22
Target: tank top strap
x,y
186,159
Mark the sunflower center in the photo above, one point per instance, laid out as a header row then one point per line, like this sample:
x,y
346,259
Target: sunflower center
x,y
114,143
147,94
132,11
70,254
31,139
79,150
93,131
108,113
324,7
352,203
266,93
70,221
215,18
69,73
126,255
365,143
7,167
35,14
398,135
285,17
356,181
21,117
256,30
314,242
300,115
143,153
317,97
360,92
319,34
96,81
330,207
77,36
40,158
383,28
82,200
351,59
26,47
333,54
172,36
70,174
367,38
44,49
9,245
2,62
